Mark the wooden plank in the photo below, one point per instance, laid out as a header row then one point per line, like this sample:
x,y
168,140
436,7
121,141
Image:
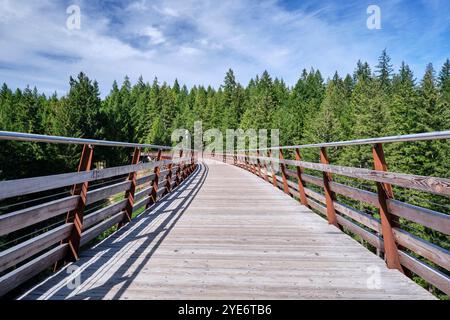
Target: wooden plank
x,y
138,205
434,185
361,217
93,232
24,250
371,238
426,217
436,278
142,193
106,192
20,219
145,179
25,272
99,215
19,187
432,252
228,234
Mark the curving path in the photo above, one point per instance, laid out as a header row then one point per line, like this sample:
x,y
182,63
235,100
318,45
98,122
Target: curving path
x,y
227,234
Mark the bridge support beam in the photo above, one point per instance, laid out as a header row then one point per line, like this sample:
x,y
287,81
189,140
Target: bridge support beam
x,y
329,195
178,175
283,174
129,195
301,186
258,163
272,170
387,220
76,215
154,192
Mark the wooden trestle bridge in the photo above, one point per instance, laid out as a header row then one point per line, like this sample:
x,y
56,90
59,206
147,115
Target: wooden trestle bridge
x,y
226,226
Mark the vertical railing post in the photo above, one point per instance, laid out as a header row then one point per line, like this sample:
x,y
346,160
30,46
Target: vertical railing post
x,y
266,175
129,195
387,220
272,170
329,195
179,174
76,215
301,186
283,173
154,192
258,163
169,178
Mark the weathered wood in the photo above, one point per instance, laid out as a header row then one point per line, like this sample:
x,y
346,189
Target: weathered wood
x,y
99,215
229,235
434,185
106,192
138,205
432,252
371,238
20,219
18,276
24,250
387,221
145,179
426,217
142,193
20,187
436,278
93,232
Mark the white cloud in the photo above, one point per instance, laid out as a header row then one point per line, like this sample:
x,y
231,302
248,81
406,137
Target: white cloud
x,y
194,41
155,35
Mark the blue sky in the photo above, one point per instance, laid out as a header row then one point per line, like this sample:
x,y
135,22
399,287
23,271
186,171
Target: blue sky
x,y
197,41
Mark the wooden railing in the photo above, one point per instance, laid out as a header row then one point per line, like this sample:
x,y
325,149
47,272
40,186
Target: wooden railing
x,y
131,187
402,250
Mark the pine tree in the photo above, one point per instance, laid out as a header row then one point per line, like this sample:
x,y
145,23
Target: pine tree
x,y
384,70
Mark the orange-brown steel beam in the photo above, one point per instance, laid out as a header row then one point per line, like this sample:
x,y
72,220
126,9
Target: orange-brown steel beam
x,y
283,174
76,215
301,186
387,220
153,193
329,195
129,195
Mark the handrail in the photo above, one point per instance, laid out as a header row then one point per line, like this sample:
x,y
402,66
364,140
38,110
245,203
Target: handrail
x,y
54,243
31,137
437,135
400,247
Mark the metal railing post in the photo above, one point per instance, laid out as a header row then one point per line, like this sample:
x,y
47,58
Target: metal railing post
x,y
301,186
129,195
76,215
154,192
283,173
329,195
387,220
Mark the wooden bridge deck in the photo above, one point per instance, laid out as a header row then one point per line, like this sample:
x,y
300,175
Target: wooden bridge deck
x,y
227,234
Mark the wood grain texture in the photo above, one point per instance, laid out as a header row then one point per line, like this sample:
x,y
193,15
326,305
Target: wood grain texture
x,y
227,234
